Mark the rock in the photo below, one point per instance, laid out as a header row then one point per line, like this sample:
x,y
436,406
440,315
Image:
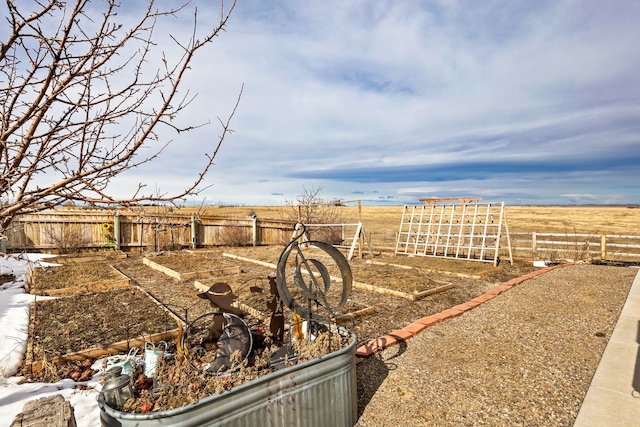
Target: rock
x,y
50,411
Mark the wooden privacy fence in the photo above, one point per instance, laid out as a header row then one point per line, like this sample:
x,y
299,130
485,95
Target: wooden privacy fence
x,y
69,230
77,229
557,246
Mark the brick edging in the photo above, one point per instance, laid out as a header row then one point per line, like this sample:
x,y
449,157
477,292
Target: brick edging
x,y
413,329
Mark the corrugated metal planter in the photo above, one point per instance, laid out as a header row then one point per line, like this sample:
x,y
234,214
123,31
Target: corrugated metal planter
x,y
320,392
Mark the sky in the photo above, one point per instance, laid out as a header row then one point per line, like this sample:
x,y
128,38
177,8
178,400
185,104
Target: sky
x,y
392,101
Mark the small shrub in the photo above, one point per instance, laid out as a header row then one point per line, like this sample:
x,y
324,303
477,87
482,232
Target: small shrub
x,y
233,235
163,241
67,238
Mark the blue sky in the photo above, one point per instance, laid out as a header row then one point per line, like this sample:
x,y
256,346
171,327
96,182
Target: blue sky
x,y
390,101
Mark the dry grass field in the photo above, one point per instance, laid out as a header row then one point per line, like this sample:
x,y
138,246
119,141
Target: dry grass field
x,y
542,219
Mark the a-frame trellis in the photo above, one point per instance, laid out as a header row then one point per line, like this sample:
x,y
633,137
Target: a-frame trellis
x,y
469,229
359,238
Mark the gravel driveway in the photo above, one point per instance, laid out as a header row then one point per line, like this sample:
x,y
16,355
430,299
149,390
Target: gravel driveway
x,y
526,357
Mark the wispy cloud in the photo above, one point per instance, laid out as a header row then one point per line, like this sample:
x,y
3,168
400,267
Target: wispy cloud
x,y
529,102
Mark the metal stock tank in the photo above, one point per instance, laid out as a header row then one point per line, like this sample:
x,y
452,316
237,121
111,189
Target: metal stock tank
x,y
320,392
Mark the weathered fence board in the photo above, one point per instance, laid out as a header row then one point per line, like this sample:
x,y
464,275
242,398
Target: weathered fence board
x,y
576,246
142,231
69,230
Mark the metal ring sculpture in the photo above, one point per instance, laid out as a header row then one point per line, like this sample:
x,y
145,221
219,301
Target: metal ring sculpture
x,y
310,282
236,335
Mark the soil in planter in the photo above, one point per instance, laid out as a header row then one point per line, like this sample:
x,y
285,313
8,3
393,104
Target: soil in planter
x,y
50,373
72,275
178,384
191,263
96,319
408,281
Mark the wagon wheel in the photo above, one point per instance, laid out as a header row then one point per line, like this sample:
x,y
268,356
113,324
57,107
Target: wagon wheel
x,y
314,279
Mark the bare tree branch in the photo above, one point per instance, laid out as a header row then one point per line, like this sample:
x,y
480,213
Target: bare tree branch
x,y
80,94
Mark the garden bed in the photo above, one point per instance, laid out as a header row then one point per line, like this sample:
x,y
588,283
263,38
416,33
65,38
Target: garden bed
x,y
389,312
259,391
411,263
88,257
89,325
408,283
73,278
190,266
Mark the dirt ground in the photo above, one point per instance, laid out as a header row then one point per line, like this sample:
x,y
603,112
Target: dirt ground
x,y
94,319
80,275
393,312
86,320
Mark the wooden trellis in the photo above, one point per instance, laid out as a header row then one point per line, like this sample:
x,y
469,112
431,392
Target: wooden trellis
x,y
469,230
359,238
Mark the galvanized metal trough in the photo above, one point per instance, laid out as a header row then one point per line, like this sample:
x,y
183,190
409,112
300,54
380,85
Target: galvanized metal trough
x,y
318,393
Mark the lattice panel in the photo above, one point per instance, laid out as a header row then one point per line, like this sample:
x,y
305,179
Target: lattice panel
x,y
469,231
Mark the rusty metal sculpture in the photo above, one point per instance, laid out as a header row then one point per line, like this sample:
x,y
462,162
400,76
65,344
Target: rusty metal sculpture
x,y
221,297
314,279
204,335
236,337
276,323
223,331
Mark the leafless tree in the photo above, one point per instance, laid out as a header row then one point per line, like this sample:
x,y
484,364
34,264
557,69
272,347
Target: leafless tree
x,y
310,208
81,92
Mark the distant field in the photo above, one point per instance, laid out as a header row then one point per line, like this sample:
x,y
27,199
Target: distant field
x,y
550,219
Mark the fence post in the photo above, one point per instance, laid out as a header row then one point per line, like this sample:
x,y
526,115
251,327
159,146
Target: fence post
x,y
534,245
360,236
193,231
255,229
603,246
116,231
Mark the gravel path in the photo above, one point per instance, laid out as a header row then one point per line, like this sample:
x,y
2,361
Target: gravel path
x,y
526,357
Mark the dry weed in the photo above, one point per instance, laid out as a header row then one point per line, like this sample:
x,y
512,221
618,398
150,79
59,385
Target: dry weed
x,y
178,384
234,236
